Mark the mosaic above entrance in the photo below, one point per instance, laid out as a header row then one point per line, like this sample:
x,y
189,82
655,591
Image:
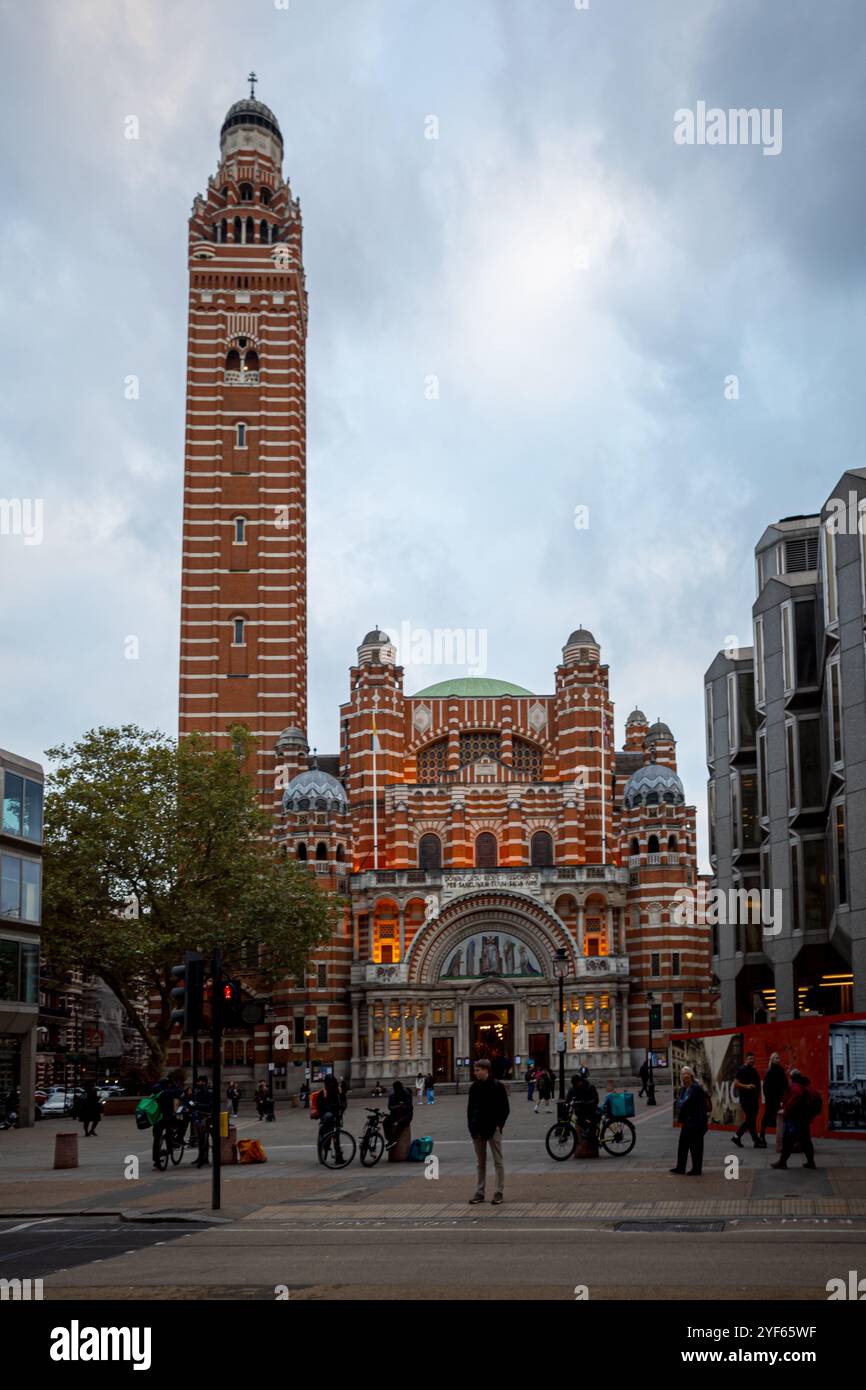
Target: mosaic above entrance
x,y
490,954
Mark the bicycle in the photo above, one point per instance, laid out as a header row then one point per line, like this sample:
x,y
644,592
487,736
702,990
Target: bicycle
x,y
336,1147
616,1136
373,1140
171,1144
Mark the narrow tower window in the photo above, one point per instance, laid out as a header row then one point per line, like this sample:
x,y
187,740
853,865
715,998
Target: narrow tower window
x,y
240,530
241,440
239,639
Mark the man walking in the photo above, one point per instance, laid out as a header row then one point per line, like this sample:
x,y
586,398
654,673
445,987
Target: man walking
x,y
748,1086
643,1072
799,1108
775,1086
486,1114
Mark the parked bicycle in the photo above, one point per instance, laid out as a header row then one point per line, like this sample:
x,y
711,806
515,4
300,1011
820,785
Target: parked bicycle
x,y
615,1135
336,1147
373,1142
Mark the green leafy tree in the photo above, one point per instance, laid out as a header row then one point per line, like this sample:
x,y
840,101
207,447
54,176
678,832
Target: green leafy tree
x,y
154,847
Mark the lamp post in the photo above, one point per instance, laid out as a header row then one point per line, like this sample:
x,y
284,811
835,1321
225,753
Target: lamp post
x,y
308,1033
650,1085
689,1016
560,967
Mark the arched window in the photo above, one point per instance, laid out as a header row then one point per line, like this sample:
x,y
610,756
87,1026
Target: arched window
x,y
264,196
216,231
635,846
485,851
251,361
541,850
672,844
240,530
251,230
238,639
321,851
241,439
224,192
302,851
429,852
246,192
224,230
653,844
237,225
263,231
341,855
233,360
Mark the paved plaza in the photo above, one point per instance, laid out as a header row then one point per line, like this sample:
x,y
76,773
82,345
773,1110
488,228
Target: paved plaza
x,y
623,1227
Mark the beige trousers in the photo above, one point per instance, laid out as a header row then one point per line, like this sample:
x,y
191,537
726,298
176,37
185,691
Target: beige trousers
x,y
495,1143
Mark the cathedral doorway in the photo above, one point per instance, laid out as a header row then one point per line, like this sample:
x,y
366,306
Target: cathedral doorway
x,y
443,1059
492,1031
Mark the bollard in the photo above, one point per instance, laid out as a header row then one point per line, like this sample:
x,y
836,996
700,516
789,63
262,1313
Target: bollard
x,y
66,1150
229,1146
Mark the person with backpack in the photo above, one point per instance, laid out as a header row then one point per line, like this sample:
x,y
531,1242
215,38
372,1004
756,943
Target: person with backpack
x,y
800,1106
167,1094
775,1086
692,1106
486,1113
545,1090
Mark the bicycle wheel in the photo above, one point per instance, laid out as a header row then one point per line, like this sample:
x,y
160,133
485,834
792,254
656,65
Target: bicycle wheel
x,y
618,1136
337,1148
162,1151
560,1140
176,1144
372,1148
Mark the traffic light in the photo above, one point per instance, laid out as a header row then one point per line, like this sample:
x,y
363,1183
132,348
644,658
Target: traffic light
x,y
236,1011
188,993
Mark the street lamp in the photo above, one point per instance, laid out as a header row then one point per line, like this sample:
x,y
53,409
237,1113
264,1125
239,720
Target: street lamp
x,y
650,1085
559,966
308,1033
689,1016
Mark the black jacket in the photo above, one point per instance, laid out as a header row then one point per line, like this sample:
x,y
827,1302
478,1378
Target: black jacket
x,y
775,1084
487,1108
692,1107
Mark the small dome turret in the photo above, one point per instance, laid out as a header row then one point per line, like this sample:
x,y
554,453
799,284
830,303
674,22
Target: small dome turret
x,y
315,790
652,785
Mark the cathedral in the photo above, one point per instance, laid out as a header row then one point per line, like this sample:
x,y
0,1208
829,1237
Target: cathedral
x,y
492,848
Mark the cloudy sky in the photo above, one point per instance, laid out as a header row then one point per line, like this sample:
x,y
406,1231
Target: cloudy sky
x,y
580,285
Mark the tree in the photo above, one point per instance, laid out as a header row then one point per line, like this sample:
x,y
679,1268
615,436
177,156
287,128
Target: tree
x,y
154,847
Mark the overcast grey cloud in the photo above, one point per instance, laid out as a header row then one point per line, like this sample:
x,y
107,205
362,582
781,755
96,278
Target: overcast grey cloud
x,y
580,285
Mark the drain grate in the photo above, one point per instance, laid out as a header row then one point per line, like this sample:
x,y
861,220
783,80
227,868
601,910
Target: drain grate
x,y
678,1227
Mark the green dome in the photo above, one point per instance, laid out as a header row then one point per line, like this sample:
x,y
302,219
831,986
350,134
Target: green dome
x,y
470,687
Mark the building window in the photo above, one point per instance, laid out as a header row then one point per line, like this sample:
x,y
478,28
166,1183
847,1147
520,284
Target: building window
x,y
814,885
299,1028
655,963
678,1017
675,963
240,530
809,756
835,713
787,650
733,714
805,643
711,747
841,860
527,759
233,360
240,436
22,807
433,762
479,745
246,192
302,851
238,640
429,852
20,883
792,767
711,821
656,1017
321,852
321,1029
541,850
760,689
795,886
831,609
485,851
322,975
762,774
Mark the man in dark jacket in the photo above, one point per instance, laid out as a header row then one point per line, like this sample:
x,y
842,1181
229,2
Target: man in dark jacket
x,y
643,1072
167,1093
748,1087
691,1106
202,1102
486,1114
798,1112
775,1086
584,1097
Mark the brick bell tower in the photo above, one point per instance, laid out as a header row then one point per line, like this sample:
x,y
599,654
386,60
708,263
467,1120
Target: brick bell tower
x,y
243,644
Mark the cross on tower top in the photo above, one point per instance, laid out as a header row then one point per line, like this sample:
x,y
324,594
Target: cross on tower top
x,y
252,79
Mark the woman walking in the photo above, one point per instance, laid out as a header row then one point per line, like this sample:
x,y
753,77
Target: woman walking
x,y
775,1086
691,1107
419,1087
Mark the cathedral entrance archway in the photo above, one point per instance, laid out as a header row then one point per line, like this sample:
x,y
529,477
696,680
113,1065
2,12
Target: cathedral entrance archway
x,y
492,1033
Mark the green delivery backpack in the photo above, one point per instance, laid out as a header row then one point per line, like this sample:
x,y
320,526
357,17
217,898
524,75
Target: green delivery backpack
x,y
147,1112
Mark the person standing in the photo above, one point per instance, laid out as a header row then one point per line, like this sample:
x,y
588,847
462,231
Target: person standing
x,y
233,1096
799,1109
203,1103
420,1085
775,1086
430,1086
529,1078
261,1099
399,1114
486,1113
643,1072
545,1090
748,1086
692,1115
90,1109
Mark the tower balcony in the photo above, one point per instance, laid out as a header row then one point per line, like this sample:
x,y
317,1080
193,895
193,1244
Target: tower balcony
x,y
240,378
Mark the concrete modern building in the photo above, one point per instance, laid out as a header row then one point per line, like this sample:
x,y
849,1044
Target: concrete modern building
x,y
786,751
21,783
